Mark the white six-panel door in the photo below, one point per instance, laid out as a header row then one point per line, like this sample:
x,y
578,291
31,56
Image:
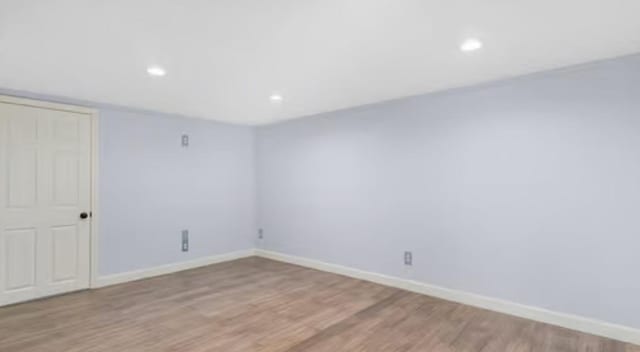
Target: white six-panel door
x,y
45,184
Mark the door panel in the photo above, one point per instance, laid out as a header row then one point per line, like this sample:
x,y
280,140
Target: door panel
x,y
24,130
20,259
45,183
65,178
22,185
65,241
66,129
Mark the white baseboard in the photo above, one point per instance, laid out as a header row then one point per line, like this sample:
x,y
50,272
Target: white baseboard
x,y
120,278
569,321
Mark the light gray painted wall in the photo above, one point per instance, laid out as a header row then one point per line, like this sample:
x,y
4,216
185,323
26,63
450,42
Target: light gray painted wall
x,y
151,188
526,190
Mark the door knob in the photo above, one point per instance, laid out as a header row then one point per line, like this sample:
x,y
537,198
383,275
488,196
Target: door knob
x,y
84,215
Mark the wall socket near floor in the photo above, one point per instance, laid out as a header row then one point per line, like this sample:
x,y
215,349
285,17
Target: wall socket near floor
x,y
408,258
408,265
260,238
185,240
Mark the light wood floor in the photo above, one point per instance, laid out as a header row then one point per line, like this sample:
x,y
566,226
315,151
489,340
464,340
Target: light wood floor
x,y
255,304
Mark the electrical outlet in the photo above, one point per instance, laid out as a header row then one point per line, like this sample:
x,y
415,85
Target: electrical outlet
x,y
408,258
185,140
185,240
260,234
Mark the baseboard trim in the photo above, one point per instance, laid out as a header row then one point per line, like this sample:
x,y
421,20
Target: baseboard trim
x,y
129,276
569,321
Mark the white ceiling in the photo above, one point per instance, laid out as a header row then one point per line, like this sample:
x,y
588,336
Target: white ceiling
x,y
224,58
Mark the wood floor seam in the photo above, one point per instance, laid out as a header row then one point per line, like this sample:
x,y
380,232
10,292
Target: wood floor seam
x,y
343,324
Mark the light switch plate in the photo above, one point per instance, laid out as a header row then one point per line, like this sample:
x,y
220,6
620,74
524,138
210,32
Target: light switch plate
x,y
185,240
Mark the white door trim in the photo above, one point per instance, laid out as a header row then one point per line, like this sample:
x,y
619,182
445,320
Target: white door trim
x,y
94,117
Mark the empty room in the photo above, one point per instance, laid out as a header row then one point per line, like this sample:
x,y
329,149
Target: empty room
x,y
320,176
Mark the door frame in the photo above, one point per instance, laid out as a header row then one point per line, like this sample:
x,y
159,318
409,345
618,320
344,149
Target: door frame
x,y
93,115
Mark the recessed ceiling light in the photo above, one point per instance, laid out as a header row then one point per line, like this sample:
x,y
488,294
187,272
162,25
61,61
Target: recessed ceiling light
x,y
156,71
471,44
275,98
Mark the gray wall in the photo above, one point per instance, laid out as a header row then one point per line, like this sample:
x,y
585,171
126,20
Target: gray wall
x,y
151,188
526,190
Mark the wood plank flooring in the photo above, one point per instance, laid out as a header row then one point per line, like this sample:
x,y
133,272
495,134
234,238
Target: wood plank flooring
x,y
255,304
